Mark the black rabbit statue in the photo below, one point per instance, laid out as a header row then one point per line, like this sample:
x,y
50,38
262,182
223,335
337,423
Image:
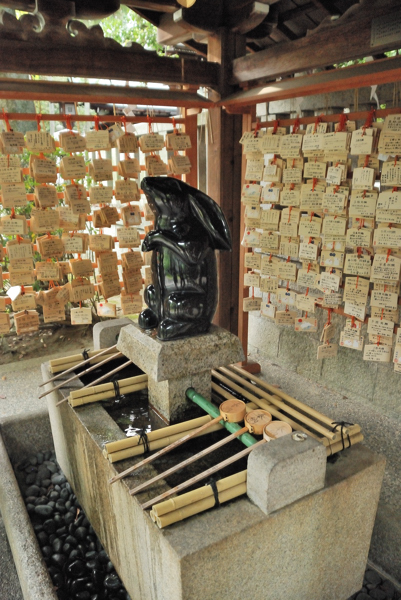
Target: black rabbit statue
x,y
189,227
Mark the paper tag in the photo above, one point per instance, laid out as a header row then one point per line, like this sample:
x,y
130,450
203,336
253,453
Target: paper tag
x,y
81,267
315,169
290,145
306,303
5,324
131,304
251,304
268,240
13,195
45,196
363,178
327,351
287,271
39,141
151,142
308,251
386,267
43,170
127,143
356,290
21,249
354,343
126,190
106,309
252,261
361,238
286,297
332,259
333,225
328,332
389,315
290,197
26,321
128,237
47,271
13,226
54,312
81,316
386,300
329,282
24,302
377,353
387,237
254,169
72,167
178,141
63,294
391,173
72,142
97,140
284,317
101,169
12,142
306,325
355,310
132,260
356,264
100,194
72,244
100,242
380,327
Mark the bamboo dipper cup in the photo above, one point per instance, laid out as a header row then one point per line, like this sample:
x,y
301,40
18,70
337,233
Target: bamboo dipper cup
x,y
257,420
232,410
276,429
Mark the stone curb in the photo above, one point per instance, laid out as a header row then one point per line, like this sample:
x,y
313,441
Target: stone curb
x,y
32,572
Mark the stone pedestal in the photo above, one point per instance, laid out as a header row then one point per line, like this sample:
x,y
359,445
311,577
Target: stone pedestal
x,y
172,367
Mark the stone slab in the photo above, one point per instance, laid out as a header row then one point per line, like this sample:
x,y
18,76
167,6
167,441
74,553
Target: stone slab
x,y
105,333
179,358
230,552
284,470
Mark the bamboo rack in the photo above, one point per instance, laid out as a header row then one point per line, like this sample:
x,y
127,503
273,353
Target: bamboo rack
x,y
192,503
284,407
61,364
107,391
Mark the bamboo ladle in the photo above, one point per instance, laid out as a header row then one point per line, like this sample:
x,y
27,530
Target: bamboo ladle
x,y
266,438
64,383
79,365
253,424
232,411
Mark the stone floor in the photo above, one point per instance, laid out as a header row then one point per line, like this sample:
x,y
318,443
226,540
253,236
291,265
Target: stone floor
x,y
19,394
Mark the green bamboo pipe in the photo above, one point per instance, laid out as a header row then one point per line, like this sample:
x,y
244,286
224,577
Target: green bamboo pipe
x,y
246,438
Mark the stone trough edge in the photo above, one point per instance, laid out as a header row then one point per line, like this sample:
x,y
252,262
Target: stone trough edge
x,y
32,573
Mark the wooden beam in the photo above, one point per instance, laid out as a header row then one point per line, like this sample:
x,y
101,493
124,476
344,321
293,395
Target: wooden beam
x,y
346,38
248,18
98,62
378,72
56,91
167,6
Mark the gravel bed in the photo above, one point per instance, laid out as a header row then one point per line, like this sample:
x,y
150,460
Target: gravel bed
x,y
377,588
78,565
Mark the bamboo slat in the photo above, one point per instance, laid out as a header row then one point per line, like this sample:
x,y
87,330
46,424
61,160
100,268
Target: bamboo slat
x,y
174,504
200,506
84,362
155,445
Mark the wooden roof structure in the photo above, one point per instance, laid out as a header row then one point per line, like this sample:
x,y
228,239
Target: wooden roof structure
x,y
240,51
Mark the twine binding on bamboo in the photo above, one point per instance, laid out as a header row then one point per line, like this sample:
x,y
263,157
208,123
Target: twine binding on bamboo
x,y
85,354
342,424
143,439
213,484
116,389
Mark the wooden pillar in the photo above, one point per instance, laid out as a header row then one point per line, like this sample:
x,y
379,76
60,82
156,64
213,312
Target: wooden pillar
x,y
224,156
191,128
243,292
